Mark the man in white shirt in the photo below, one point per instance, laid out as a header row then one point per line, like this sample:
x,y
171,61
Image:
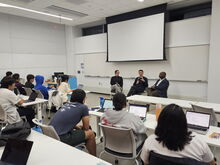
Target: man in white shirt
x,y
8,101
159,89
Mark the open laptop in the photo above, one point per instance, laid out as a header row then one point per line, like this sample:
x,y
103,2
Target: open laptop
x,y
108,104
32,97
16,152
139,110
198,122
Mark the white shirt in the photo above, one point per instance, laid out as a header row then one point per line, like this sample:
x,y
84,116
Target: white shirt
x,y
64,89
159,82
8,100
197,149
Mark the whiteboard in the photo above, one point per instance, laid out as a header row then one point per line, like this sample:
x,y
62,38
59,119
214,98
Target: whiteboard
x,y
183,63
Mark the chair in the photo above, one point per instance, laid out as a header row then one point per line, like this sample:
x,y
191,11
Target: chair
x,y
3,116
47,129
40,95
28,91
213,121
158,159
55,100
120,143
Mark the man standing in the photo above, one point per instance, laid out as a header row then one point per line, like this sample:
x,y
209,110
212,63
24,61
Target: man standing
x,y
139,85
159,89
116,83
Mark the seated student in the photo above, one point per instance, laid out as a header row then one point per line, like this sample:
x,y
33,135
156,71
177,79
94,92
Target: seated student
x,y
8,74
116,83
172,138
39,86
8,101
18,85
30,80
66,119
120,117
159,89
139,85
64,87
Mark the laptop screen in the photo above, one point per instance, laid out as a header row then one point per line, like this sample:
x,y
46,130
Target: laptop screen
x,y
17,151
138,110
198,119
108,104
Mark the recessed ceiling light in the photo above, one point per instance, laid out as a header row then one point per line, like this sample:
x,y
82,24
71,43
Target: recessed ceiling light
x,y
34,11
140,0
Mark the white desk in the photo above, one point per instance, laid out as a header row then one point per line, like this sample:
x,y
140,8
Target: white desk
x,y
186,104
151,124
38,103
48,151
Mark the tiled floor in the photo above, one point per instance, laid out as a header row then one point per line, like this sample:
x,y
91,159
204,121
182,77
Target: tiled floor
x,y
93,100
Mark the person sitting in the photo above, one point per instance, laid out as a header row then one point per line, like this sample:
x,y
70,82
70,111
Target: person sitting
x,y
120,117
19,86
64,87
39,86
8,101
66,119
8,74
159,89
116,83
172,138
139,85
30,80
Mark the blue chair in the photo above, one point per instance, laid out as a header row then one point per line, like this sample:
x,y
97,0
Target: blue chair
x,y
73,82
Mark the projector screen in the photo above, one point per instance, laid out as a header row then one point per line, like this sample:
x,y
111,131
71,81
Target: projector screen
x,y
138,39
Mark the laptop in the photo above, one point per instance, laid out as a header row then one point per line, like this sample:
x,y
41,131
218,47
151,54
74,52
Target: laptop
x,y
108,104
32,97
16,152
198,122
139,110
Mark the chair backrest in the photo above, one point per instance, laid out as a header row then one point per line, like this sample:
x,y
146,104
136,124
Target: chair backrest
x,y
28,91
158,159
40,95
120,140
47,129
213,120
3,117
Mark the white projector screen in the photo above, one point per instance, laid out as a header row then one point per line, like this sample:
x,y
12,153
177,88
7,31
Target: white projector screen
x,y
137,39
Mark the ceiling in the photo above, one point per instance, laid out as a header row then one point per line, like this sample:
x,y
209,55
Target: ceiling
x,y
85,11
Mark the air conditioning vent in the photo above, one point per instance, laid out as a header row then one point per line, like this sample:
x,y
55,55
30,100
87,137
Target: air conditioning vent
x,y
61,10
77,2
24,1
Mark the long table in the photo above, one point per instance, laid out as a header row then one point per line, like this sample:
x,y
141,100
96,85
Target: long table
x,y
151,124
186,104
48,151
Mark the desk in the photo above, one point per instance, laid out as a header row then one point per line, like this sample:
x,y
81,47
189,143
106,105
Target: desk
x,y
38,102
48,151
186,104
151,124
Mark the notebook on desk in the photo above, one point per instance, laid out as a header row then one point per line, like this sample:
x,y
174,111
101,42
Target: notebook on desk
x,y
198,122
16,152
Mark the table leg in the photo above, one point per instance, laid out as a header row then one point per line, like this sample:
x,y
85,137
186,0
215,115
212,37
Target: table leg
x,y
39,112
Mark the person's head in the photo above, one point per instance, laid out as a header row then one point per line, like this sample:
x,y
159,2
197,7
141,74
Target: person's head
x,y
30,78
65,78
171,128
141,73
8,83
79,96
16,76
9,74
119,101
117,72
162,75
39,80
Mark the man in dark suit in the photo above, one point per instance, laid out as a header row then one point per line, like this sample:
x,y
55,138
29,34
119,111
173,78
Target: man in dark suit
x,y
116,83
139,85
159,89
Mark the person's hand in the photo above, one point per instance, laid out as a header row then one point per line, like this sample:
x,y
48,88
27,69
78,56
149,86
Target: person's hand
x,y
78,127
153,87
142,79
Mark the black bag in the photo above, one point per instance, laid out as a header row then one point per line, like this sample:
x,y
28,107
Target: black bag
x,y
19,130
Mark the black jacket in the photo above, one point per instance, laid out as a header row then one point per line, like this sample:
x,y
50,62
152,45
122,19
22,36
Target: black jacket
x,y
141,84
162,87
29,85
117,79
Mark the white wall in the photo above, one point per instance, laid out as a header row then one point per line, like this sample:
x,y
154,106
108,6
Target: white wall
x,y
31,46
92,46
214,59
